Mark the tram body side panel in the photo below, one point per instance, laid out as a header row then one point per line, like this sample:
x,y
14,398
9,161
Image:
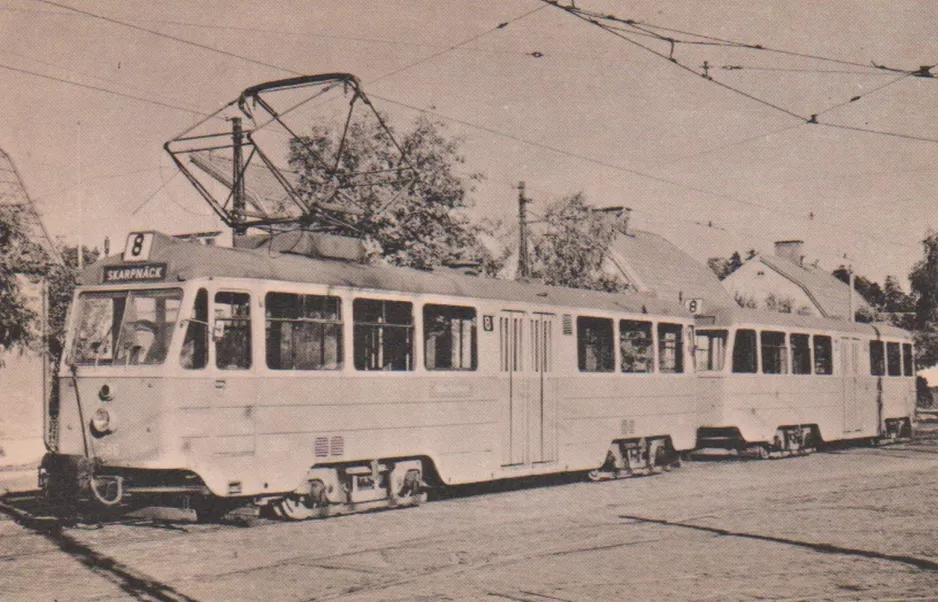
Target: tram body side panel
x,y
597,409
138,415
898,397
760,403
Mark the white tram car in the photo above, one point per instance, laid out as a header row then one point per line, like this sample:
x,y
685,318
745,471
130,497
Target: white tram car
x,y
320,386
773,384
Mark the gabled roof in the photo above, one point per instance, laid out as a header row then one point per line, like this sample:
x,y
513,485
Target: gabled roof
x,y
13,193
653,264
830,295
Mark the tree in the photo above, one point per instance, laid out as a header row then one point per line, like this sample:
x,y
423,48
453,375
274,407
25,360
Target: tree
x,y
419,222
723,267
571,249
19,257
924,282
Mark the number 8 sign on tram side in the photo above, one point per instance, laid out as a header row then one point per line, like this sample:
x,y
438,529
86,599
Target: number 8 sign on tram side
x,y
138,246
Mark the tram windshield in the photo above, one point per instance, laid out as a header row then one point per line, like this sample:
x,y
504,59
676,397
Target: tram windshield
x,y
121,328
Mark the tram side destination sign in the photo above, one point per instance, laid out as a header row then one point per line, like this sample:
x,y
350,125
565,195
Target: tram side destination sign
x,y
141,272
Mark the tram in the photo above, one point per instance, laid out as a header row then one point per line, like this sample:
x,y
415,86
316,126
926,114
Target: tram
x,y
287,373
775,384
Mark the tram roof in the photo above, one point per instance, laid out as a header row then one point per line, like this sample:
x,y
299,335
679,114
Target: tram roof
x,y
187,260
724,317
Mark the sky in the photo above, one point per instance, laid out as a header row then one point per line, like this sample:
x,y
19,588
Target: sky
x,y
91,89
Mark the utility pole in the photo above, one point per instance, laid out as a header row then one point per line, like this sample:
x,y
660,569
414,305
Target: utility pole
x,y
853,312
237,190
81,255
523,268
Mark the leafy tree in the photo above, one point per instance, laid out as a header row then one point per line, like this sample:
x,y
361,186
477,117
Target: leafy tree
x,y
924,281
18,257
723,267
572,247
420,222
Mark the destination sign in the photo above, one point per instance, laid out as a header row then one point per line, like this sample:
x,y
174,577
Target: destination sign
x,y
136,273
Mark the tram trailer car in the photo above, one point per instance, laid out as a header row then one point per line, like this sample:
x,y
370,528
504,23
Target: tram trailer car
x,y
778,384
219,376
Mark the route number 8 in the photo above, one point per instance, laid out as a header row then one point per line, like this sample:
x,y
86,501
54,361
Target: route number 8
x,y
138,246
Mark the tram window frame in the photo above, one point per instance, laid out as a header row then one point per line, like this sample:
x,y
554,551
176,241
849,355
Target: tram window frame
x,y
234,332
823,347
877,358
636,347
800,353
595,344
745,352
711,357
193,354
773,345
445,343
893,359
372,328
908,360
310,325
672,348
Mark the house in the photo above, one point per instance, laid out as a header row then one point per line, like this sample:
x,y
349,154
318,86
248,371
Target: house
x,y
651,264
784,282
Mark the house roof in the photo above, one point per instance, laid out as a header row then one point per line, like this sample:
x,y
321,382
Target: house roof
x,y
13,193
830,295
654,264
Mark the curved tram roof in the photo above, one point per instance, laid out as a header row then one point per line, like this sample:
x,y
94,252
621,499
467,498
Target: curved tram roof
x,y
189,260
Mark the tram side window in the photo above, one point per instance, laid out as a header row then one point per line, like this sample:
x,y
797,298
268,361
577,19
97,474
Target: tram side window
x,y
303,332
595,349
711,350
800,354
384,335
893,359
194,355
774,352
636,346
823,355
908,366
670,348
449,337
232,330
877,358
744,352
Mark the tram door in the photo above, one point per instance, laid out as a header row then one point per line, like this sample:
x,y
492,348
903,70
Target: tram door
x,y
511,352
542,431
849,360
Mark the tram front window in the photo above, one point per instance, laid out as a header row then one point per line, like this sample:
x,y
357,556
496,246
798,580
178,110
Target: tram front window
x,y
122,328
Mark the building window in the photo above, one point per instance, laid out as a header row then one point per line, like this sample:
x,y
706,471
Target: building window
x,y
670,348
383,332
877,358
711,350
800,354
744,352
232,330
194,354
893,359
636,346
823,355
908,365
774,352
595,350
449,337
303,332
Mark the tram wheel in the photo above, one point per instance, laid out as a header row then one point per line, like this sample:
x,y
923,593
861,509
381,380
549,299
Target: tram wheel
x,y
293,507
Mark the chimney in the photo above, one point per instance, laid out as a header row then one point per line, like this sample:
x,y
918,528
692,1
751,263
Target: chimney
x,y
621,214
790,250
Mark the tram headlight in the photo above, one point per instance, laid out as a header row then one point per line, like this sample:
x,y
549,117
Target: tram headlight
x,y
102,422
106,393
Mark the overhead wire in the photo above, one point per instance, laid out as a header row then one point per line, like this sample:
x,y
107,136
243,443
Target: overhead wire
x,y
503,134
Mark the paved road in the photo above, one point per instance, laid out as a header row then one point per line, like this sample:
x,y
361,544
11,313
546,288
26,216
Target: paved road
x,y
849,524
